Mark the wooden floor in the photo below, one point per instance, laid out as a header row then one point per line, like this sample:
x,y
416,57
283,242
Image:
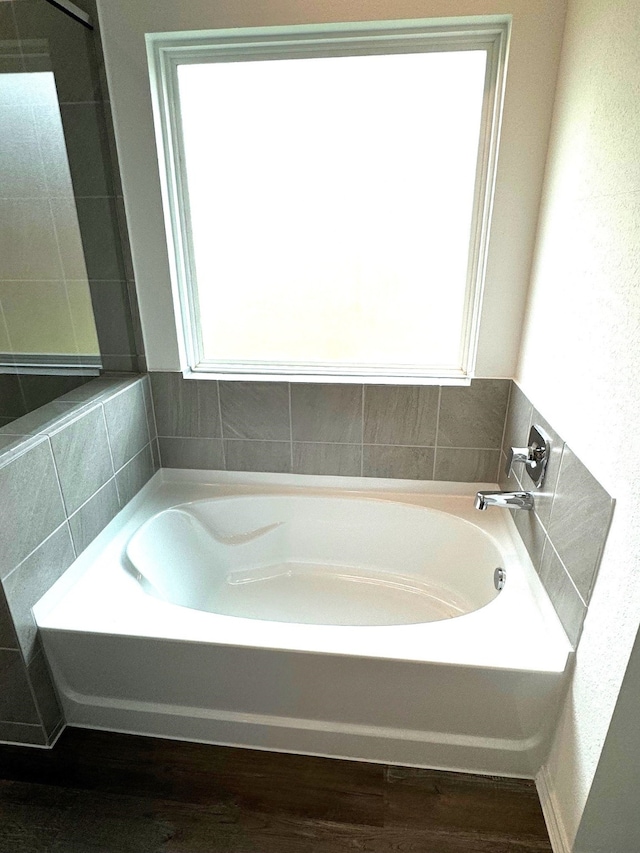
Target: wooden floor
x,y
99,792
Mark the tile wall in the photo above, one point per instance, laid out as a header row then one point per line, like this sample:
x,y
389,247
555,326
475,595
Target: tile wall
x,y
566,533
400,431
65,471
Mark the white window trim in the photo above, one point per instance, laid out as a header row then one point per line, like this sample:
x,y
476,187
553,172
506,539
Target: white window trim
x,y
168,50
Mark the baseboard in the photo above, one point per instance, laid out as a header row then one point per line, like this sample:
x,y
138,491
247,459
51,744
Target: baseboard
x,y
551,812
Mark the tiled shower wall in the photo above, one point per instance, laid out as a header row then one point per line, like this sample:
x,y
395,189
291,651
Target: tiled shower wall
x,y
65,471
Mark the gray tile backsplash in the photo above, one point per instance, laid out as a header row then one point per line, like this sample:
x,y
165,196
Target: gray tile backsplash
x,y
404,463
333,429
473,416
310,457
31,502
132,476
579,522
570,607
326,413
566,533
65,471
94,515
255,410
185,409
247,455
401,414
464,464
32,578
84,438
127,425
205,453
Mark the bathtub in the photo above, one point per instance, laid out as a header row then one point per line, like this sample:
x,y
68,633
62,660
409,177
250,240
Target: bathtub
x,y
369,619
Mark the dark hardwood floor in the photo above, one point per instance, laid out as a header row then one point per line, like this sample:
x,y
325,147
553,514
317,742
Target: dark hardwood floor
x,y
99,792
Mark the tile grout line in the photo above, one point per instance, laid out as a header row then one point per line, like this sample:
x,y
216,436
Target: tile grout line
x,y
566,571
97,491
504,431
290,426
33,692
64,504
222,438
147,379
65,523
435,439
362,432
153,406
332,443
113,464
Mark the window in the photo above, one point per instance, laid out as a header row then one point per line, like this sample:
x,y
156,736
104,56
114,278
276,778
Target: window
x,y
328,196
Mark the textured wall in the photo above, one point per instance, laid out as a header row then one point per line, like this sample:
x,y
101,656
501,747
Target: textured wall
x,y
580,357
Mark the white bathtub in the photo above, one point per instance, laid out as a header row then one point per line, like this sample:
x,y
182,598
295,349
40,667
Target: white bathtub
x,y
348,617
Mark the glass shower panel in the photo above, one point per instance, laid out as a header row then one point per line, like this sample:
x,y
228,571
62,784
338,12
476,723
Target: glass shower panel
x,y
46,318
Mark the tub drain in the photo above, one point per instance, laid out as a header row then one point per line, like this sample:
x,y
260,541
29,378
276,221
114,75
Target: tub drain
x,y
499,578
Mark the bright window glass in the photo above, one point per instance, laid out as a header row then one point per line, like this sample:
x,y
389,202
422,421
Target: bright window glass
x,y
330,205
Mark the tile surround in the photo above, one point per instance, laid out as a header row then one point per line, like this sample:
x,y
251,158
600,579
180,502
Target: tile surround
x,y
94,515
325,458
326,413
255,410
321,428
566,533
32,578
185,409
249,455
401,414
473,416
84,438
65,471
404,463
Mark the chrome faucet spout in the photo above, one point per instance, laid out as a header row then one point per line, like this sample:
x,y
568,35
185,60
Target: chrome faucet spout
x,y
509,500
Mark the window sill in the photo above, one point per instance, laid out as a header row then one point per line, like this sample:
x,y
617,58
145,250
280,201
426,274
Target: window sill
x,y
327,378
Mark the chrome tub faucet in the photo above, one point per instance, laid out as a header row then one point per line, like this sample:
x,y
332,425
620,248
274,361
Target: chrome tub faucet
x,y
509,500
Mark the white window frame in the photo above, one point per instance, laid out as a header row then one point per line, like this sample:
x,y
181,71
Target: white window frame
x,y
166,51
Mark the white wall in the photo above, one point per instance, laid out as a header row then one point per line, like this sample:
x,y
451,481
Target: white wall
x,y
580,358
611,820
535,46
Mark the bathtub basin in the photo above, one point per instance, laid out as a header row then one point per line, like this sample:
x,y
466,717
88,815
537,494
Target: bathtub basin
x,y
346,617
316,560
